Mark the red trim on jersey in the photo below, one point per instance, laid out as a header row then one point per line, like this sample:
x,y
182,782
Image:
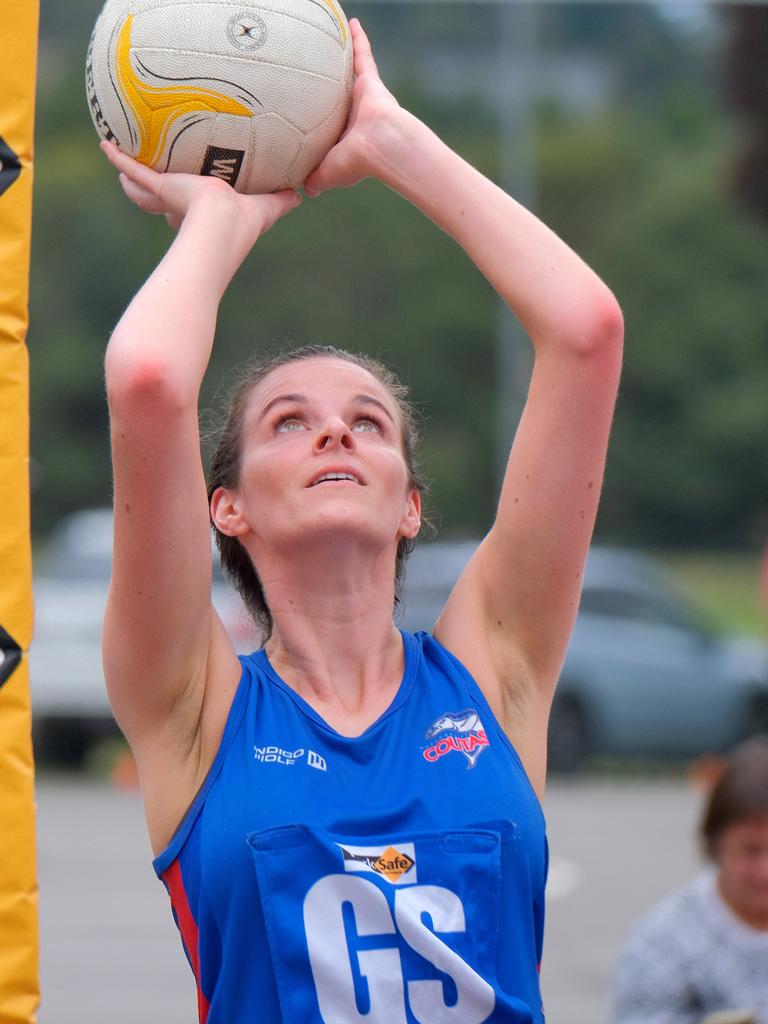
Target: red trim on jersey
x,y
188,928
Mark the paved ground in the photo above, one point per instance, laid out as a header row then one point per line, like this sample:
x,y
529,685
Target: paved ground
x,y
110,952
616,848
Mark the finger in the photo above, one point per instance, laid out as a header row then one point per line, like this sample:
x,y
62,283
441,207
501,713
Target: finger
x,y
278,204
315,183
116,156
364,61
135,192
110,151
144,199
139,173
330,173
285,201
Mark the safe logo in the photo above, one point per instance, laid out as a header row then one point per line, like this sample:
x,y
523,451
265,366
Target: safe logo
x,y
460,731
396,864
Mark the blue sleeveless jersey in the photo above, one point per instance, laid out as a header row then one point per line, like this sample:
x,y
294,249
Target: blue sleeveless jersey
x,y
395,877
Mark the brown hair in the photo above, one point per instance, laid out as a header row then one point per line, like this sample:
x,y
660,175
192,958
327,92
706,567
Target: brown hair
x,y
741,792
224,465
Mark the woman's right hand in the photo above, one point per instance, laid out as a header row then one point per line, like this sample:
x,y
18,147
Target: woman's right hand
x,y
373,121
174,195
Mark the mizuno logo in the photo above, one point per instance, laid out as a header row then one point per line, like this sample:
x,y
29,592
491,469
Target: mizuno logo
x,y
222,163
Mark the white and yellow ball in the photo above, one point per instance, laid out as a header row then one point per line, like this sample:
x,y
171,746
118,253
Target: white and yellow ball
x,y
253,94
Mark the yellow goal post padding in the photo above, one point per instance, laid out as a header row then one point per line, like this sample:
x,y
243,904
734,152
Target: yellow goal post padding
x,y
19,987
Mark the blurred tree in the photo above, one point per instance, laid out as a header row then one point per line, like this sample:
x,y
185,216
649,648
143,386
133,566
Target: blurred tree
x,y
637,185
685,466
647,54
746,87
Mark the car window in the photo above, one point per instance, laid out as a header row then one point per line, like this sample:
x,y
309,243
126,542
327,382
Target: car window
x,y
80,548
653,609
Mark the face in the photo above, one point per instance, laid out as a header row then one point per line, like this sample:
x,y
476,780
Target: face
x,y
321,455
742,857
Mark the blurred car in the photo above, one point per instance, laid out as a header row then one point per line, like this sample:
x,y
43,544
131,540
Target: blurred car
x,y
644,674
70,708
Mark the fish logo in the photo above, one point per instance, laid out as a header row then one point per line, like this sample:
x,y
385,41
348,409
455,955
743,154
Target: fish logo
x,y
456,730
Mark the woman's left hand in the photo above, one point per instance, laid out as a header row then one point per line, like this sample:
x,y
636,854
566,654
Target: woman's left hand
x,y
359,152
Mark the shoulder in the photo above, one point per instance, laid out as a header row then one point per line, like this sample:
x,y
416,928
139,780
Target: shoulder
x,y
436,660
434,654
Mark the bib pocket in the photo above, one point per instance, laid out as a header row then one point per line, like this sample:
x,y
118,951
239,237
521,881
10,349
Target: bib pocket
x,y
397,929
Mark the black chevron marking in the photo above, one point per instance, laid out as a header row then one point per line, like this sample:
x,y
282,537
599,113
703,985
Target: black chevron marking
x,y
10,166
10,655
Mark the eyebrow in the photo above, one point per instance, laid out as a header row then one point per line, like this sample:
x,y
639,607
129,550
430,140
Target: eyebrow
x,y
302,400
374,401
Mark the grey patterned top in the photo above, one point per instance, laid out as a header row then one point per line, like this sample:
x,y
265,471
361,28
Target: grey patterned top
x,y
688,957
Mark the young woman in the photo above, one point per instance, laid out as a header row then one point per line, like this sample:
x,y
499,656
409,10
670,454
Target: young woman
x,y
347,821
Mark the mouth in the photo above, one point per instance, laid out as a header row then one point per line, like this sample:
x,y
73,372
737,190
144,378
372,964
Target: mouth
x,y
336,477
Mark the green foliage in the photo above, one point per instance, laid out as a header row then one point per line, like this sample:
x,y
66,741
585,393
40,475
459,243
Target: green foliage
x,y
726,587
638,184
689,269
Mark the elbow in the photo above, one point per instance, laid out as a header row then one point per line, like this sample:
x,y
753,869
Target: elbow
x,y
143,382
587,325
602,331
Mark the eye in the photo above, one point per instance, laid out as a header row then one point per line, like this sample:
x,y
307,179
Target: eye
x,y
367,423
288,423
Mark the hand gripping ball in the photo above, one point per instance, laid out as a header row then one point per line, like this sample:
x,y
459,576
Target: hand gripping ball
x,y
255,95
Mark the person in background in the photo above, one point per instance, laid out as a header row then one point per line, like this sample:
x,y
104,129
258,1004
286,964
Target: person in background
x,y
701,954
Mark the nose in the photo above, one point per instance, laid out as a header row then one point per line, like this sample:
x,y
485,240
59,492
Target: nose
x,y
335,434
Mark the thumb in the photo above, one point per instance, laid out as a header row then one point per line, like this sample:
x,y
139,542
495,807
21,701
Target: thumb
x,y
313,185
337,170
319,180
278,204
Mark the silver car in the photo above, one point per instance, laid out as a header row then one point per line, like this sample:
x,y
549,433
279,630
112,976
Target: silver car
x,y
644,673
70,709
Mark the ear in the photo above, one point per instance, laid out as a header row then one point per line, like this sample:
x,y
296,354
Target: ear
x,y
411,521
226,514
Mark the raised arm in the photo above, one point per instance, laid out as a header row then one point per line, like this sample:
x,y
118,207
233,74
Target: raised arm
x,y
510,616
169,666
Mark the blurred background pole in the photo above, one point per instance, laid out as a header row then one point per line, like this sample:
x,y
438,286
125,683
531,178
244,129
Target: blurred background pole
x,y
515,102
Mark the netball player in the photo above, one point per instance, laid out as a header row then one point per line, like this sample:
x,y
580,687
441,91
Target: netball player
x,y
348,820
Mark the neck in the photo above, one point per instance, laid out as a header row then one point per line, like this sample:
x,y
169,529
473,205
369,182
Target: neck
x,y
333,639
